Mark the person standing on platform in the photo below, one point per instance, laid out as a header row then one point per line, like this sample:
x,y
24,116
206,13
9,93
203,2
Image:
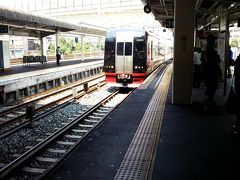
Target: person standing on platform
x,y
211,63
230,63
237,91
58,55
196,67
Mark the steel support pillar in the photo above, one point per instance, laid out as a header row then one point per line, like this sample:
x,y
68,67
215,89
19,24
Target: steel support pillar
x,y
4,55
184,14
82,47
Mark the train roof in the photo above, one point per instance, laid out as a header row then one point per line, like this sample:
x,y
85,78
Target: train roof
x,y
139,32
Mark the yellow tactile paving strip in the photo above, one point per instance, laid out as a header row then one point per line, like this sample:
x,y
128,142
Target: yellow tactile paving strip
x,y
140,154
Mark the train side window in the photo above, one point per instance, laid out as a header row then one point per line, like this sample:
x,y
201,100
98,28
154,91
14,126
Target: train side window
x,y
128,49
120,48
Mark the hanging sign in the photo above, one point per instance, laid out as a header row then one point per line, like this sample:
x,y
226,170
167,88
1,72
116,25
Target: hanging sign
x,y
169,23
3,29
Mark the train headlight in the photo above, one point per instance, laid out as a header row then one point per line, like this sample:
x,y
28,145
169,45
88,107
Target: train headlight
x,y
109,67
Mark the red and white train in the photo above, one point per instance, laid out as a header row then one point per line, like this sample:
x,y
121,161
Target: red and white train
x,y
131,54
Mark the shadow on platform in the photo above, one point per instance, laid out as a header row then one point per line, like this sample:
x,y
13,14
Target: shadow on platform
x,y
198,145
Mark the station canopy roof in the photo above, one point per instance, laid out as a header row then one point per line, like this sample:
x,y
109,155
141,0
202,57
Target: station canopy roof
x,y
26,24
207,11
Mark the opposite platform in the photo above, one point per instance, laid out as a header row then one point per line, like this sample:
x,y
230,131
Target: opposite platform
x,y
23,81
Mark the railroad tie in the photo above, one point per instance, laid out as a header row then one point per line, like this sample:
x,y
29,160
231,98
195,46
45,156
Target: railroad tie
x,y
85,125
60,151
90,120
28,147
80,130
2,165
95,117
65,143
10,115
99,114
43,159
102,111
33,170
72,136
19,112
105,108
16,155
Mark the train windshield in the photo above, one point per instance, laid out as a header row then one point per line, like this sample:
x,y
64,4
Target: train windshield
x,y
127,49
120,48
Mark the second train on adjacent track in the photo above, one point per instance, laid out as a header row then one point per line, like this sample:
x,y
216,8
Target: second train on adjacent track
x,y
131,54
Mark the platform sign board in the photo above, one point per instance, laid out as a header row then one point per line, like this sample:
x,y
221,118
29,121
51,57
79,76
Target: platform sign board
x,y
3,29
169,23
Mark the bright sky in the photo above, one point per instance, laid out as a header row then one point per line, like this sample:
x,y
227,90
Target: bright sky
x,y
128,13
113,14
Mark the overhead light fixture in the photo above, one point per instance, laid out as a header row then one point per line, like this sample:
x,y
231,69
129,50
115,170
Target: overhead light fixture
x,y
147,9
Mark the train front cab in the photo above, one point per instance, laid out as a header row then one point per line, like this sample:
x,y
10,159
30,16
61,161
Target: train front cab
x,y
128,64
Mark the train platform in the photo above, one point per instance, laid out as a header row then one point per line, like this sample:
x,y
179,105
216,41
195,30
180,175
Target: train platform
x,y
185,143
21,81
21,68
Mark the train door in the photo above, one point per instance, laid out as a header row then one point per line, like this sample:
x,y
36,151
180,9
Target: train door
x,y
124,55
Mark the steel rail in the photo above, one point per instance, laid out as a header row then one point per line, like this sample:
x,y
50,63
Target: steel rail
x,y
3,124
80,140
18,162
68,100
50,94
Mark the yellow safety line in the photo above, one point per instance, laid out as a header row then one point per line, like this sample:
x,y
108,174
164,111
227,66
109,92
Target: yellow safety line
x,y
140,156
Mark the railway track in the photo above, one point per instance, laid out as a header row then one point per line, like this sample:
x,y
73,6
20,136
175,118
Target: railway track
x,y
15,118
41,158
